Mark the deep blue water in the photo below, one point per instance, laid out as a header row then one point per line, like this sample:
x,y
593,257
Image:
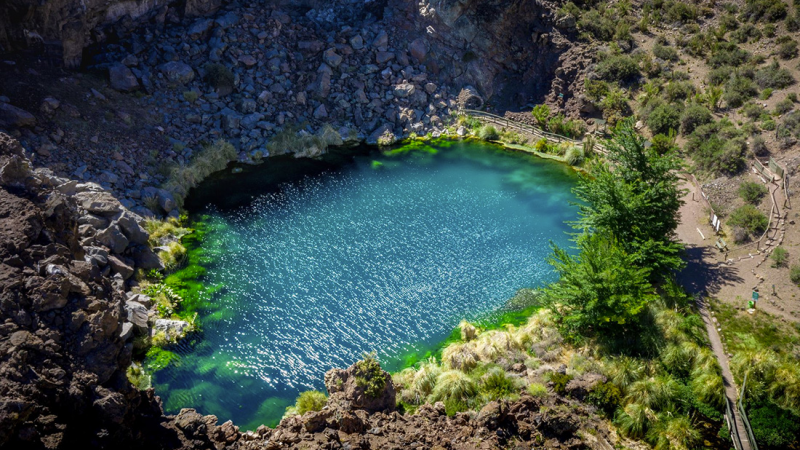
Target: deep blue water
x,y
383,253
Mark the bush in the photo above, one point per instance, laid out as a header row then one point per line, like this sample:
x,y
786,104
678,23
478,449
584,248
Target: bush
x,y
617,68
718,148
605,396
749,218
537,390
599,26
369,375
488,133
719,75
219,77
766,10
738,90
780,257
678,90
595,89
773,76
496,384
574,156
665,53
758,145
752,110
728,54
787,49
310,401
542,114
693,116
784,106
752,192
663,119
663,143
560,381
794,274
190,96
774,427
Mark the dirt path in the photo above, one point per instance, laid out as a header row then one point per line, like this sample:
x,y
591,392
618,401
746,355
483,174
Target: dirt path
x,y
707,271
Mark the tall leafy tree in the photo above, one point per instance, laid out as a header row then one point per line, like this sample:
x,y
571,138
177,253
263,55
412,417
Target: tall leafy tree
x,y
599,289
635,196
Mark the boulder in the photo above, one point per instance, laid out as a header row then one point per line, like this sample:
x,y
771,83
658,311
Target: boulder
x,y
331,58
137,314
418,50
100,203
131,228
403,90
173,328
113,238
121,78
121,267
13,117
321,112
383,57
583,385
144,258
177,72
200,29
348,388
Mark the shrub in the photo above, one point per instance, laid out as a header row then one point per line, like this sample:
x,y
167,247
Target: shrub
x,y
728,54
794,274
693,116
773,76
369,375
752,111
190,96
574,156
537,390
678,90
765,94
595,89
774,427
663,119
784,106
780,257
680,12
758,145
787,49
752,192
219,77
488,133
665,53
719,75
792,22
560,381
615,105
605,396
453,385
738,90
496,384
542,114
663,143
749,218
597,25
767,10
617,68
310,401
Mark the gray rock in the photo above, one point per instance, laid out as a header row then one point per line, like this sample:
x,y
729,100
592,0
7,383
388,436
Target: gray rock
x,y
93,220
383,57
113,238
403,90
248,106
177,72
120,267
381,40
126,331
200,29
121,78
13,117
130,226
321,112
174,329
137,314
144,258
96,256
49,105
102,203
331,58
418,49
357,42
230,119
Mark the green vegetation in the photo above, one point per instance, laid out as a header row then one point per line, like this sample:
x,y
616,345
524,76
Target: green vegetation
x,y
307,401
211,159
780,257
794,274
749,219
191,96
488,133
718,148
752,192
219,77
617,68
369,375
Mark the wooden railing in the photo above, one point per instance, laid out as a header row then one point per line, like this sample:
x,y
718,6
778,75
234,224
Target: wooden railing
x,y
511,124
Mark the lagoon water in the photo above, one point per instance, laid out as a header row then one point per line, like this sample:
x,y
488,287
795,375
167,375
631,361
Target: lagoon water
x,y
317,262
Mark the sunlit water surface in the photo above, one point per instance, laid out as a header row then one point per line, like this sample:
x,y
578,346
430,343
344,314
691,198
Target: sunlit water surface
x,y
384,253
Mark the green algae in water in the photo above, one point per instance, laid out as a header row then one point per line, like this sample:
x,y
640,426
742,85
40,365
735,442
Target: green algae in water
x,y
308,274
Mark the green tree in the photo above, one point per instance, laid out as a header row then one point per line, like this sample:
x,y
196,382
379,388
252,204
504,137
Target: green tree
x,y
636,198
599,289
542,115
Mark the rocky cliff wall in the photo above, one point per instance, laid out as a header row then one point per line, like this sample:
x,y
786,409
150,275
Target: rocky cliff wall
x,y
61,29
